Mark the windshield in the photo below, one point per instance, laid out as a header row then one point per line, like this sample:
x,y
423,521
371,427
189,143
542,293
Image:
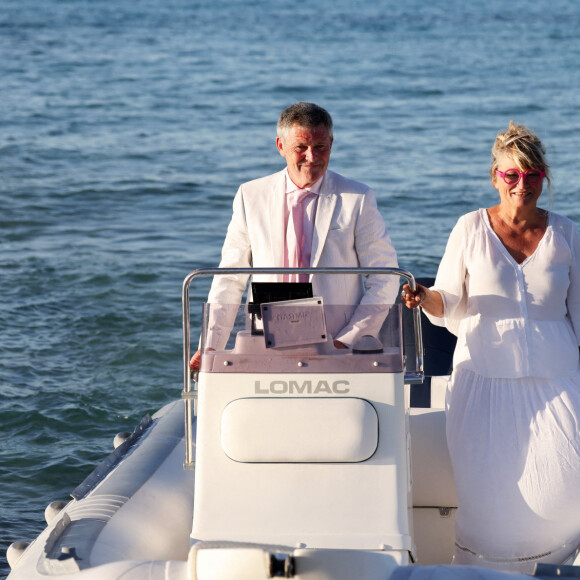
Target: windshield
x,y
297,336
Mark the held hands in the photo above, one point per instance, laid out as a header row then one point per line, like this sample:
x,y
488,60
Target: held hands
x,y
413,299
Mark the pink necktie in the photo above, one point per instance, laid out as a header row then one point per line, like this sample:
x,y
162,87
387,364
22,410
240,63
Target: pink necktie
x,y
295,234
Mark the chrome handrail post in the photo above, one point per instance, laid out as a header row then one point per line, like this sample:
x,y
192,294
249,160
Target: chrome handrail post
x,y
186,393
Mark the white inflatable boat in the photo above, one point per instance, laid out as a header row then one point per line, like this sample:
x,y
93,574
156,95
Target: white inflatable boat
x,y
295,460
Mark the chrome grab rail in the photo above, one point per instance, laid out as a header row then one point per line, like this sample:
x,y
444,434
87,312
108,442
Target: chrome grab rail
x,y
415,376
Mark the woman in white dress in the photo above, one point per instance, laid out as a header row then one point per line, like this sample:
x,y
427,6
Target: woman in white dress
x,y
509,287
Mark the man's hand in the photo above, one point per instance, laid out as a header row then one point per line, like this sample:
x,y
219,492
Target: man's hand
x,y
196,358
194,362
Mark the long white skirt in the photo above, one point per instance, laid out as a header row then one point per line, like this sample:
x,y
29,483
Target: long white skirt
x,y
515,450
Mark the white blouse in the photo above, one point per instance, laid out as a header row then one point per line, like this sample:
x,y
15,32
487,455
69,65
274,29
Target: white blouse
x,y
512,320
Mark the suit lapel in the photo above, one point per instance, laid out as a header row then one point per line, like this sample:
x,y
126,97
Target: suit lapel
x,y
326,204
276,223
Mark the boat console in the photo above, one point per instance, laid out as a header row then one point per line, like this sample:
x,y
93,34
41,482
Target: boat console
x,y
301,444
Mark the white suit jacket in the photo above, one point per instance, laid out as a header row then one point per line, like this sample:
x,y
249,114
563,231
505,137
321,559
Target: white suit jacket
x,y
348,232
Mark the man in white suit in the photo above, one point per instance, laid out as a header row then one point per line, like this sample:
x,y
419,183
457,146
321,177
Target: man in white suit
x,y
340,226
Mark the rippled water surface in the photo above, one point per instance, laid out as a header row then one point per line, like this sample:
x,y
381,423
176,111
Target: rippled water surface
x,y
125,129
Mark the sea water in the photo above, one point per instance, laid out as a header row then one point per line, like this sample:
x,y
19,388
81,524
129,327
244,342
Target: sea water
x,y
125,129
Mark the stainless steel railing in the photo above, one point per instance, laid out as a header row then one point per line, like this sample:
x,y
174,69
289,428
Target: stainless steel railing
x,y
412,376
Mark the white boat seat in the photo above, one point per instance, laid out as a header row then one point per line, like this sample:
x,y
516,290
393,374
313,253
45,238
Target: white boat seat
x,y
434,495
432,475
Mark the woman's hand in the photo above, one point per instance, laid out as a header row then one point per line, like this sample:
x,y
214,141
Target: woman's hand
x,y
429,300
413,299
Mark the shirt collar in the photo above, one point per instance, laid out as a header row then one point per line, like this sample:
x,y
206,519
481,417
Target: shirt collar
x,y
291,186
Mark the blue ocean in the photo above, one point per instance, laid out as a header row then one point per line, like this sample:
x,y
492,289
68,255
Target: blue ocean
x,y
126,128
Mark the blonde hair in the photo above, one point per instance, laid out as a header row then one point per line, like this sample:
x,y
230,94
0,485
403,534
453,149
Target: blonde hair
x,y
524,147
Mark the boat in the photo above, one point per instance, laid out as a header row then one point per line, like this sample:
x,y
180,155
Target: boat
x,y
285,457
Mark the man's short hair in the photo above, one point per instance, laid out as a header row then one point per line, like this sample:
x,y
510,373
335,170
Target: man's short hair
x,y
306,115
